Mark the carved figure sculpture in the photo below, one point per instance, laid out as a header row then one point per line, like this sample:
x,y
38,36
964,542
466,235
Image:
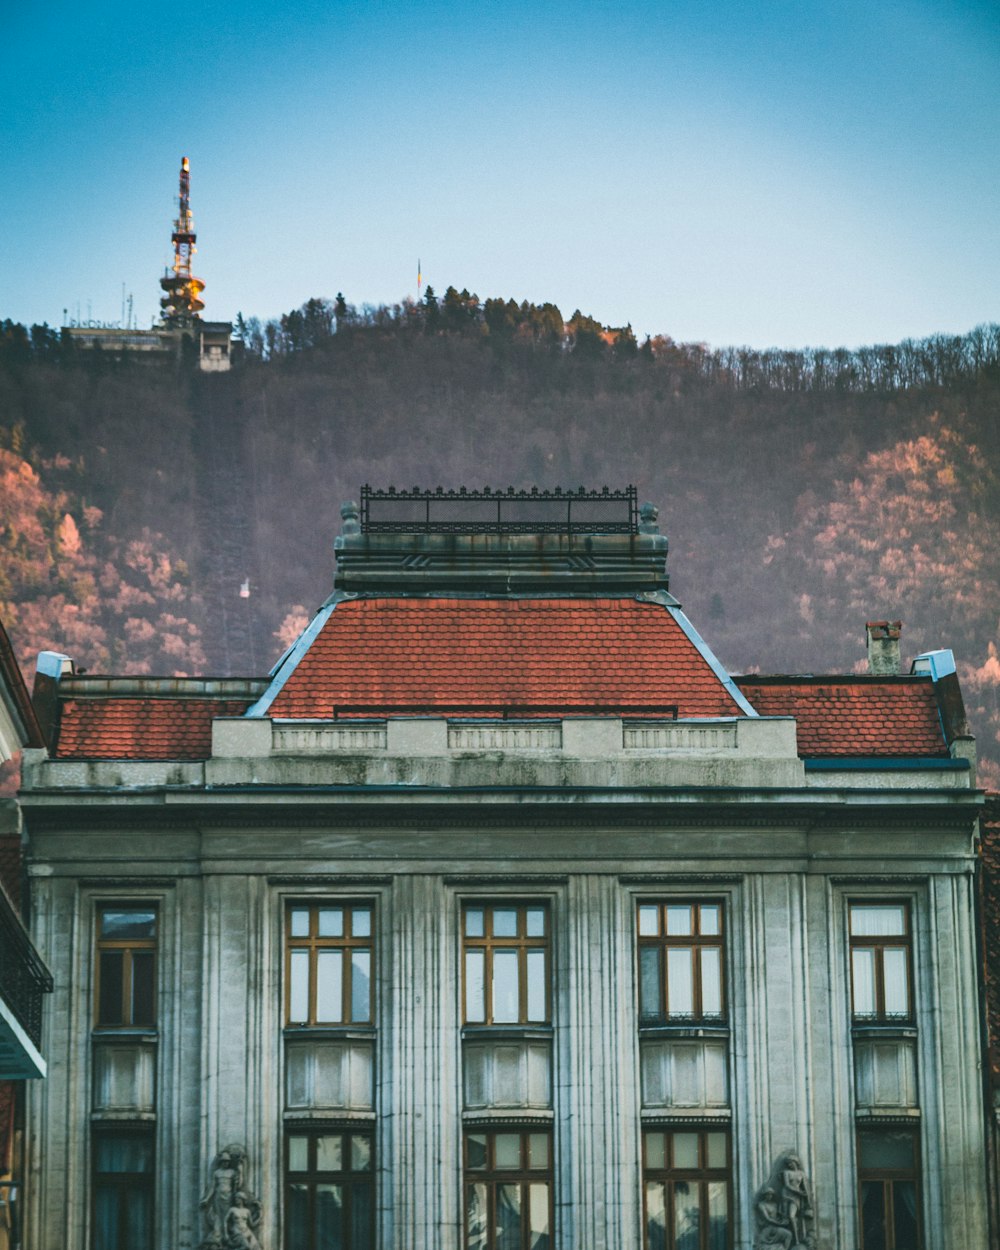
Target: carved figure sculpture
x,y
242,1219
227,1196
784,1208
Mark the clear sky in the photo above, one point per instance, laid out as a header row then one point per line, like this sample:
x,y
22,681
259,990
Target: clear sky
x,y
778,173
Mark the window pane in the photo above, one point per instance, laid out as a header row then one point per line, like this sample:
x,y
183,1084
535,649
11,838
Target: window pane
x,y
143,988
109,1008
329,986
656,1156
329,1217
298,1154
678,920
650,1001
361,962
329,1153
879,920
331,922
885,1150
905,1219
711,919
128,1153
140,923
656,1216
474,922
649,923
476,1217
297,1215
538,1216
863,981
298,993
711,981
507,1151
299,926
687,1216
716,1150
106,1217
475,1150
475,977
680,983
538,1150
535,922
361,922
718,1216
685,1150
138,1209
505,987
361,1153
362,1211
505,922
873,1215
509,1217
536,985
895,981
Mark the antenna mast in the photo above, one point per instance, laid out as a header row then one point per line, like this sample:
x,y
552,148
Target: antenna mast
x,y
182,303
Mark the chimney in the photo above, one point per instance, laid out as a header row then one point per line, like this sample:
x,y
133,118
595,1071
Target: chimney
x,y
883,647
50,668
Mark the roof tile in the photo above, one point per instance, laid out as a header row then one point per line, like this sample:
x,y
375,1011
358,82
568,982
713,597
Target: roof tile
x,y
124,728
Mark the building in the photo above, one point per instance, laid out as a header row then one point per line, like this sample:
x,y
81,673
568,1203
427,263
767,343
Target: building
x,y
24,979
500,915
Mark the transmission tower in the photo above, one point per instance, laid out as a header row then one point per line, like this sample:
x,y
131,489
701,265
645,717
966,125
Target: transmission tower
x,y
181,304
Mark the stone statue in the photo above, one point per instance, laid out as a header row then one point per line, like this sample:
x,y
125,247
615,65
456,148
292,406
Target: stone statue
x,y
784,1208
232,1214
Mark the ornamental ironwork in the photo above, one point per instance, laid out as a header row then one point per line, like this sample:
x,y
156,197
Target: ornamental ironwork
x,y
24,979
499,511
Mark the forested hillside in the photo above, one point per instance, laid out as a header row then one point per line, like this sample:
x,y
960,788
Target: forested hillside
x,y
802,492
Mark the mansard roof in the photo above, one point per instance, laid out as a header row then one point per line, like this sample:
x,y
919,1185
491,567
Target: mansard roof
x,y
855,715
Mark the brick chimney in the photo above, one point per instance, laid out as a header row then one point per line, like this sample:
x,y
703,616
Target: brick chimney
x,y
883,647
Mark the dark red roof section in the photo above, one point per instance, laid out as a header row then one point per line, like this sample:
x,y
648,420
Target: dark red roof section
x,y
140,728
10,674
859,716
385,655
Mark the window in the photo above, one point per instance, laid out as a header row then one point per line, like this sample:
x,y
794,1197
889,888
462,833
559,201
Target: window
x,y
681,962
508,1190
506,965
889,1190
880,961
123,1190
126,966
328,972
686,1182
329,1190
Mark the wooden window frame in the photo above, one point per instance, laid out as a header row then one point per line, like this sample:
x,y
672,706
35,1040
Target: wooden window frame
x,y
888,1177
128,947
879,944
123,1182
348,1178
696,941
492,1177
521,943
313,944
702,1175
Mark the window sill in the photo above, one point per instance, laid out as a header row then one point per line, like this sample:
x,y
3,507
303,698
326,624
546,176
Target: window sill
x,y
888,1029
667,1032
507,1032
330,1032
123,1032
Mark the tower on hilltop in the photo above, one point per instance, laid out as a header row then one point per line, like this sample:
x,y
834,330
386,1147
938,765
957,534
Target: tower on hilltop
x,y
182,303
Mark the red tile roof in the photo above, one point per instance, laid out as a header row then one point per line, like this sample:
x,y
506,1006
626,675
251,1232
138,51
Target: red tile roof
x,y
859,716
385,655
139,728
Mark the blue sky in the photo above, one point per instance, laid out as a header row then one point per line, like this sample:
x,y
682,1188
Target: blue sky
x,y
778,174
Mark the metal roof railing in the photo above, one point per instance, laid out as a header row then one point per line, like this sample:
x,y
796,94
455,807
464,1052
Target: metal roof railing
x,y
489,511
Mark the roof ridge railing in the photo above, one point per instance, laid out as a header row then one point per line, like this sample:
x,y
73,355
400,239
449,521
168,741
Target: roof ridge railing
x,y
499,511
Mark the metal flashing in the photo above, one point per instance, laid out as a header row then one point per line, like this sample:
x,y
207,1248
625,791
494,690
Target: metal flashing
x,y
884,763
708,656
291,659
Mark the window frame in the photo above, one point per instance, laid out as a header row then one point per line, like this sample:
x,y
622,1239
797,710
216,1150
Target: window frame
x,y
662,941
128,948
888,1177
702,1175
130,1182
522,943
347,1178
314,943
878,944
493,1177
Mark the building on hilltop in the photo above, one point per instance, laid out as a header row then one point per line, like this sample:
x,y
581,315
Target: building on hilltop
x,y
500,915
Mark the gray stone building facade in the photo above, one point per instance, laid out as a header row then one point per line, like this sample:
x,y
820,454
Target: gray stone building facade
x,y
500,916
